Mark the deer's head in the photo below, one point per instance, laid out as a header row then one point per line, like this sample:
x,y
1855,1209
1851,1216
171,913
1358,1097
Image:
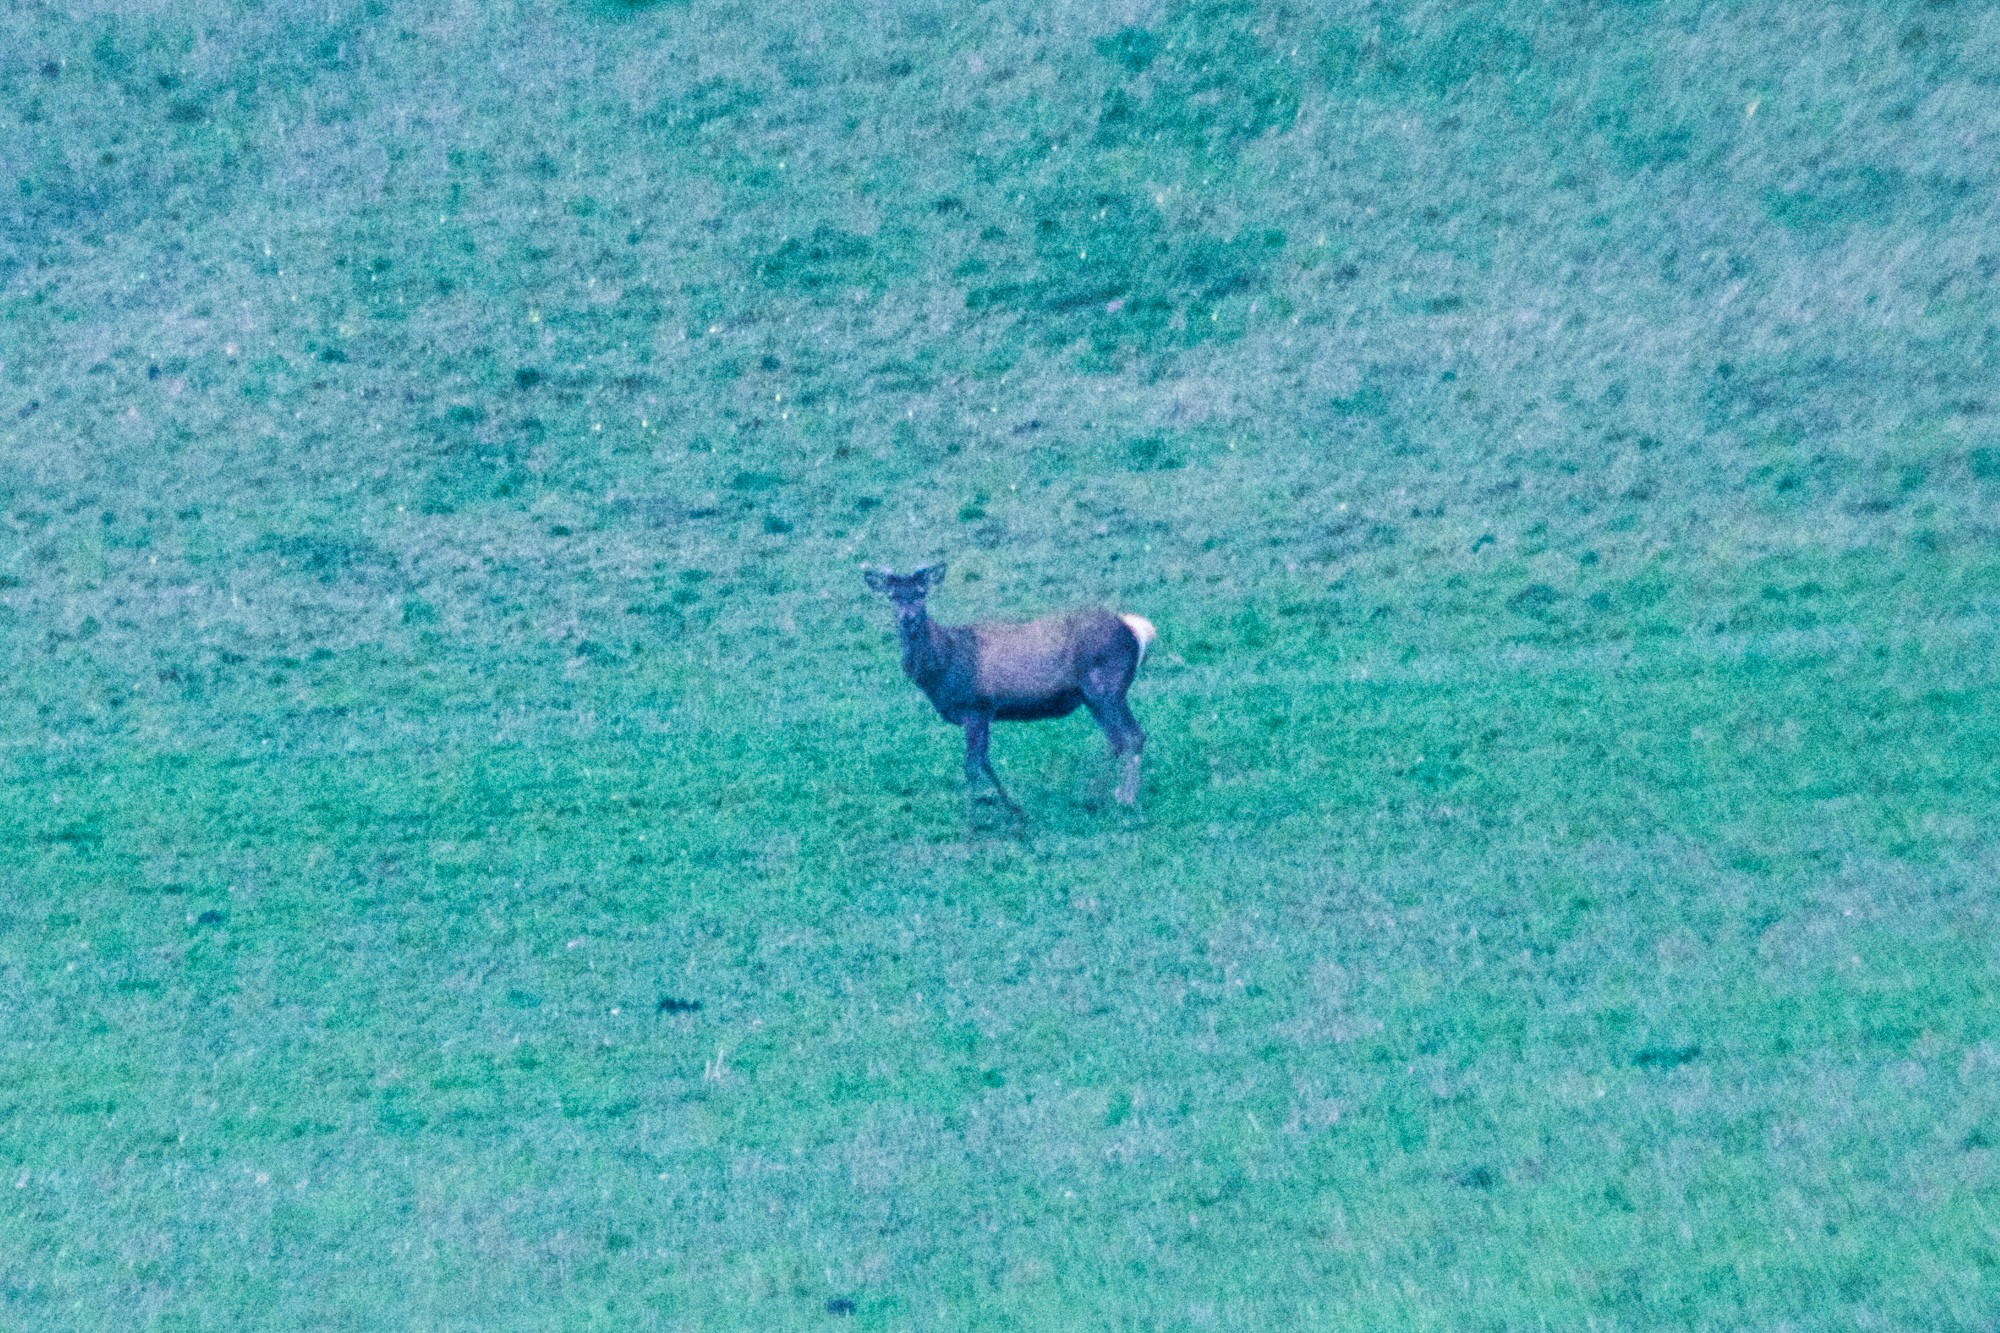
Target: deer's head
x,y
906,592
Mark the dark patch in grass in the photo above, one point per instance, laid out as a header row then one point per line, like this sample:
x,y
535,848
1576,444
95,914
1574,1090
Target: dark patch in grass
x,y
674,1004
1133,48
1478,1178
1107,268
841,1305
1368,400
1537,599
712,103
901,376
826,258
211,917
582,1106
1353,535
328,558
1152,453
80,835
616,10
1475,48
1212,83
1665,1057
1864,194
1436,770
754,482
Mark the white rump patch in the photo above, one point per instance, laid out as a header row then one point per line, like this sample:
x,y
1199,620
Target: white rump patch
x,y
1142,630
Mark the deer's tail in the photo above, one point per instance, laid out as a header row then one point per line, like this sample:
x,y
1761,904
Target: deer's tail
x,y
1142,630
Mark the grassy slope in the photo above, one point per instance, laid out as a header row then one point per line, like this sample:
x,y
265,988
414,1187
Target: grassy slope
x,y
1556,444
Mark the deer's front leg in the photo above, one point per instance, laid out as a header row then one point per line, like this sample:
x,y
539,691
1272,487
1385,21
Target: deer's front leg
x,y
977,729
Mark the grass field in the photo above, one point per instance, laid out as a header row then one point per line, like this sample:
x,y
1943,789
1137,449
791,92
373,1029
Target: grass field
x,y
470,858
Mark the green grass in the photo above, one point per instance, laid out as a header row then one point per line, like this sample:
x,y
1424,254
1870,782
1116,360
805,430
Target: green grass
x,y
471,860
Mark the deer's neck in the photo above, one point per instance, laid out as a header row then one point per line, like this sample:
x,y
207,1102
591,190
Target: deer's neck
x,y
940,660
925,651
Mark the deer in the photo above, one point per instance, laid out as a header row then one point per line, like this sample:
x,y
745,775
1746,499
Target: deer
x,y
995,671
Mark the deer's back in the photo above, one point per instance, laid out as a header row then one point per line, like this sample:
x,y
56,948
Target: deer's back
x,y
1038,659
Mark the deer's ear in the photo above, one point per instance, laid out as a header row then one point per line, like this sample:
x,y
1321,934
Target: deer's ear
x,y
933,574
877,579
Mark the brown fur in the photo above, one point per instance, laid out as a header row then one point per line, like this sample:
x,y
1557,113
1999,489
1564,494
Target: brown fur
x,y
1020,661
